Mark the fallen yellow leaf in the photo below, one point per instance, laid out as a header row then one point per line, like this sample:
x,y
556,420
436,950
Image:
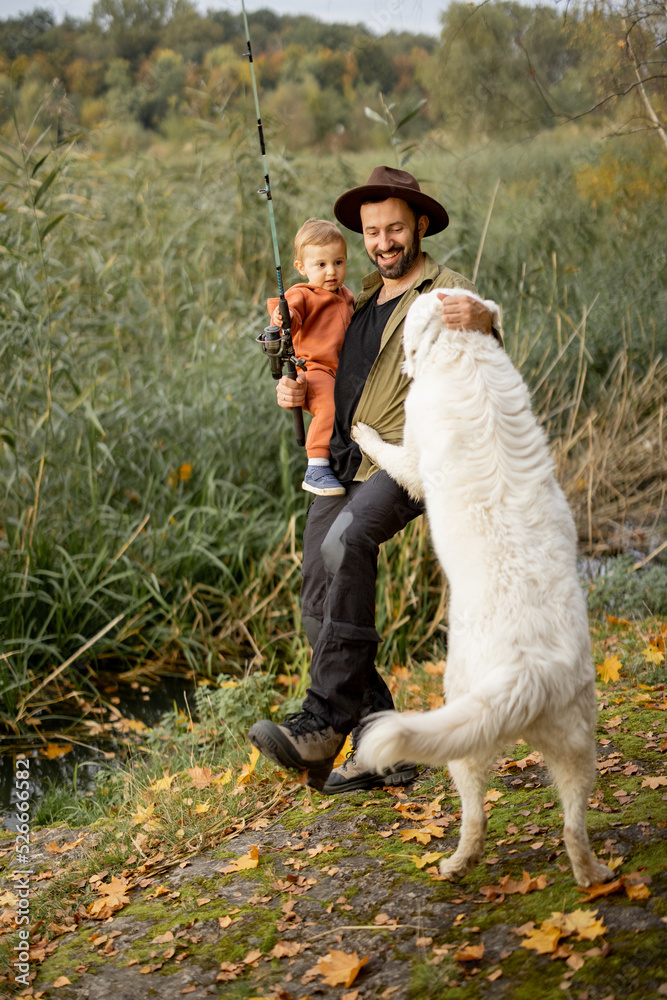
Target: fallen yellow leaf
x,y
652,654
249,860
493,795
637,890
163,784
542,939
53,750
580,922
143,813
248,769
610,669
113,897
338,968
421,836
470,953
429,858
527,884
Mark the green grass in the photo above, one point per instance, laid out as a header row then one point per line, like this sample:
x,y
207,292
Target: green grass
x,y
151,510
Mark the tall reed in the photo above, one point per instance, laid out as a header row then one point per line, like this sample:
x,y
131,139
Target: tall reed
x,y
151,511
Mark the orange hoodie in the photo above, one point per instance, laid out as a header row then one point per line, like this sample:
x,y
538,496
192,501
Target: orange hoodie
x,y
319,321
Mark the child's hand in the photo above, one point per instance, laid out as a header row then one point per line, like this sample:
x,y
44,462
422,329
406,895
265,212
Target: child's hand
x,y
277,319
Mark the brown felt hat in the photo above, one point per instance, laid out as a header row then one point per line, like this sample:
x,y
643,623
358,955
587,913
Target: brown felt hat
x,y
389,182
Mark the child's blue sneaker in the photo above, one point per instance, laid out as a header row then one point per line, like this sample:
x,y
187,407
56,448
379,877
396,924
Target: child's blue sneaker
x,y
320,479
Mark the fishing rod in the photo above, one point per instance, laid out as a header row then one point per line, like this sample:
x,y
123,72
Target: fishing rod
x,y
276,342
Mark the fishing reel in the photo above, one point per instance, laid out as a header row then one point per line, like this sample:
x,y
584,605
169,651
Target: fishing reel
x,y
277,346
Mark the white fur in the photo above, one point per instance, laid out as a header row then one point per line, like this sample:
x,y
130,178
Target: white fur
x,y
519,658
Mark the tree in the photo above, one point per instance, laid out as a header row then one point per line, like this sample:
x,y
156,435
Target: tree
x,y
132,26
161,88
499,66
637,64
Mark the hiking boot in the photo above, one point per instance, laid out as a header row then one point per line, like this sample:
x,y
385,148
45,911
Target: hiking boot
x,y
319,479
302,743
349,777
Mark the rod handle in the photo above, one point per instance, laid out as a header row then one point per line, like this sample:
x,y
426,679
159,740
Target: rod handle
x,y
297,412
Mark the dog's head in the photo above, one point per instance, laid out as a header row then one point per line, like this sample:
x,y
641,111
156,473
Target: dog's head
x,y
423,326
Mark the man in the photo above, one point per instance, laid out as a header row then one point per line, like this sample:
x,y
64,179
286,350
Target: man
x,y
343,533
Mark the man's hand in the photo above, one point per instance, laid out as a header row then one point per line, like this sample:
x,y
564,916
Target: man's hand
x,y
290,393
460,312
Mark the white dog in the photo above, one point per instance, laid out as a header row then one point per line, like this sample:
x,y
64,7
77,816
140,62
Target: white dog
x,y
519,657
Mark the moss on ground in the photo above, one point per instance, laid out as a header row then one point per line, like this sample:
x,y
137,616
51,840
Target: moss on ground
x,y
368,879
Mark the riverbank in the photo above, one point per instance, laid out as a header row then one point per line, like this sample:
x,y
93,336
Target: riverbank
x,y
210,873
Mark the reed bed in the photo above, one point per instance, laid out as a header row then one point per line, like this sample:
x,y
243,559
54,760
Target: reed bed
x,y
151,513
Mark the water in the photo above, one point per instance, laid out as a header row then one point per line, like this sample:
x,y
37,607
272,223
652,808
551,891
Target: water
x,y
76,768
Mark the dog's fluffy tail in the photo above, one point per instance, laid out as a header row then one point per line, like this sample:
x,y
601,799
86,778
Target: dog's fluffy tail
x,y
467,726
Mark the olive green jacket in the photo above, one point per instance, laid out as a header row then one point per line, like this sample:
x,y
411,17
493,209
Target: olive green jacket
x,y
383,397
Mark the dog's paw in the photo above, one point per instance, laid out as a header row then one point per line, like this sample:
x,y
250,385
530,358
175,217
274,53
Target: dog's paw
x,y
454,868
594,874
366,437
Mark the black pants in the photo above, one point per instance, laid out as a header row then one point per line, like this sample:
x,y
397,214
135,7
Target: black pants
x,y
340,552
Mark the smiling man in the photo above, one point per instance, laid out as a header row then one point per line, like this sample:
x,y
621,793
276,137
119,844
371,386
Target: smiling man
x,y
343,534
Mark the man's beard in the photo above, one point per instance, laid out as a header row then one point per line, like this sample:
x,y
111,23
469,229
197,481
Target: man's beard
x,y
403,264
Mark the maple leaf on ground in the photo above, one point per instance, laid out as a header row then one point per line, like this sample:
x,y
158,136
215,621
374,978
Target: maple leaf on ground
x,y
53,750
422,835
654,782
62,981
470,953
427,859
610,669
653,654
583,923
527,884
287,949
637,890
248,770
229,971
249,860
162,784
493,795
508,886
202,777
113,897
313,852
337,968
411,810
542,939
601,889
530,760
143,814
55,848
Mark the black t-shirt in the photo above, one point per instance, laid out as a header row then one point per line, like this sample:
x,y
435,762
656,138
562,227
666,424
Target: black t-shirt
x,y
360,349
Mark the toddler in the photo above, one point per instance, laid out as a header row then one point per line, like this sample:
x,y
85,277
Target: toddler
x,y
320,309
